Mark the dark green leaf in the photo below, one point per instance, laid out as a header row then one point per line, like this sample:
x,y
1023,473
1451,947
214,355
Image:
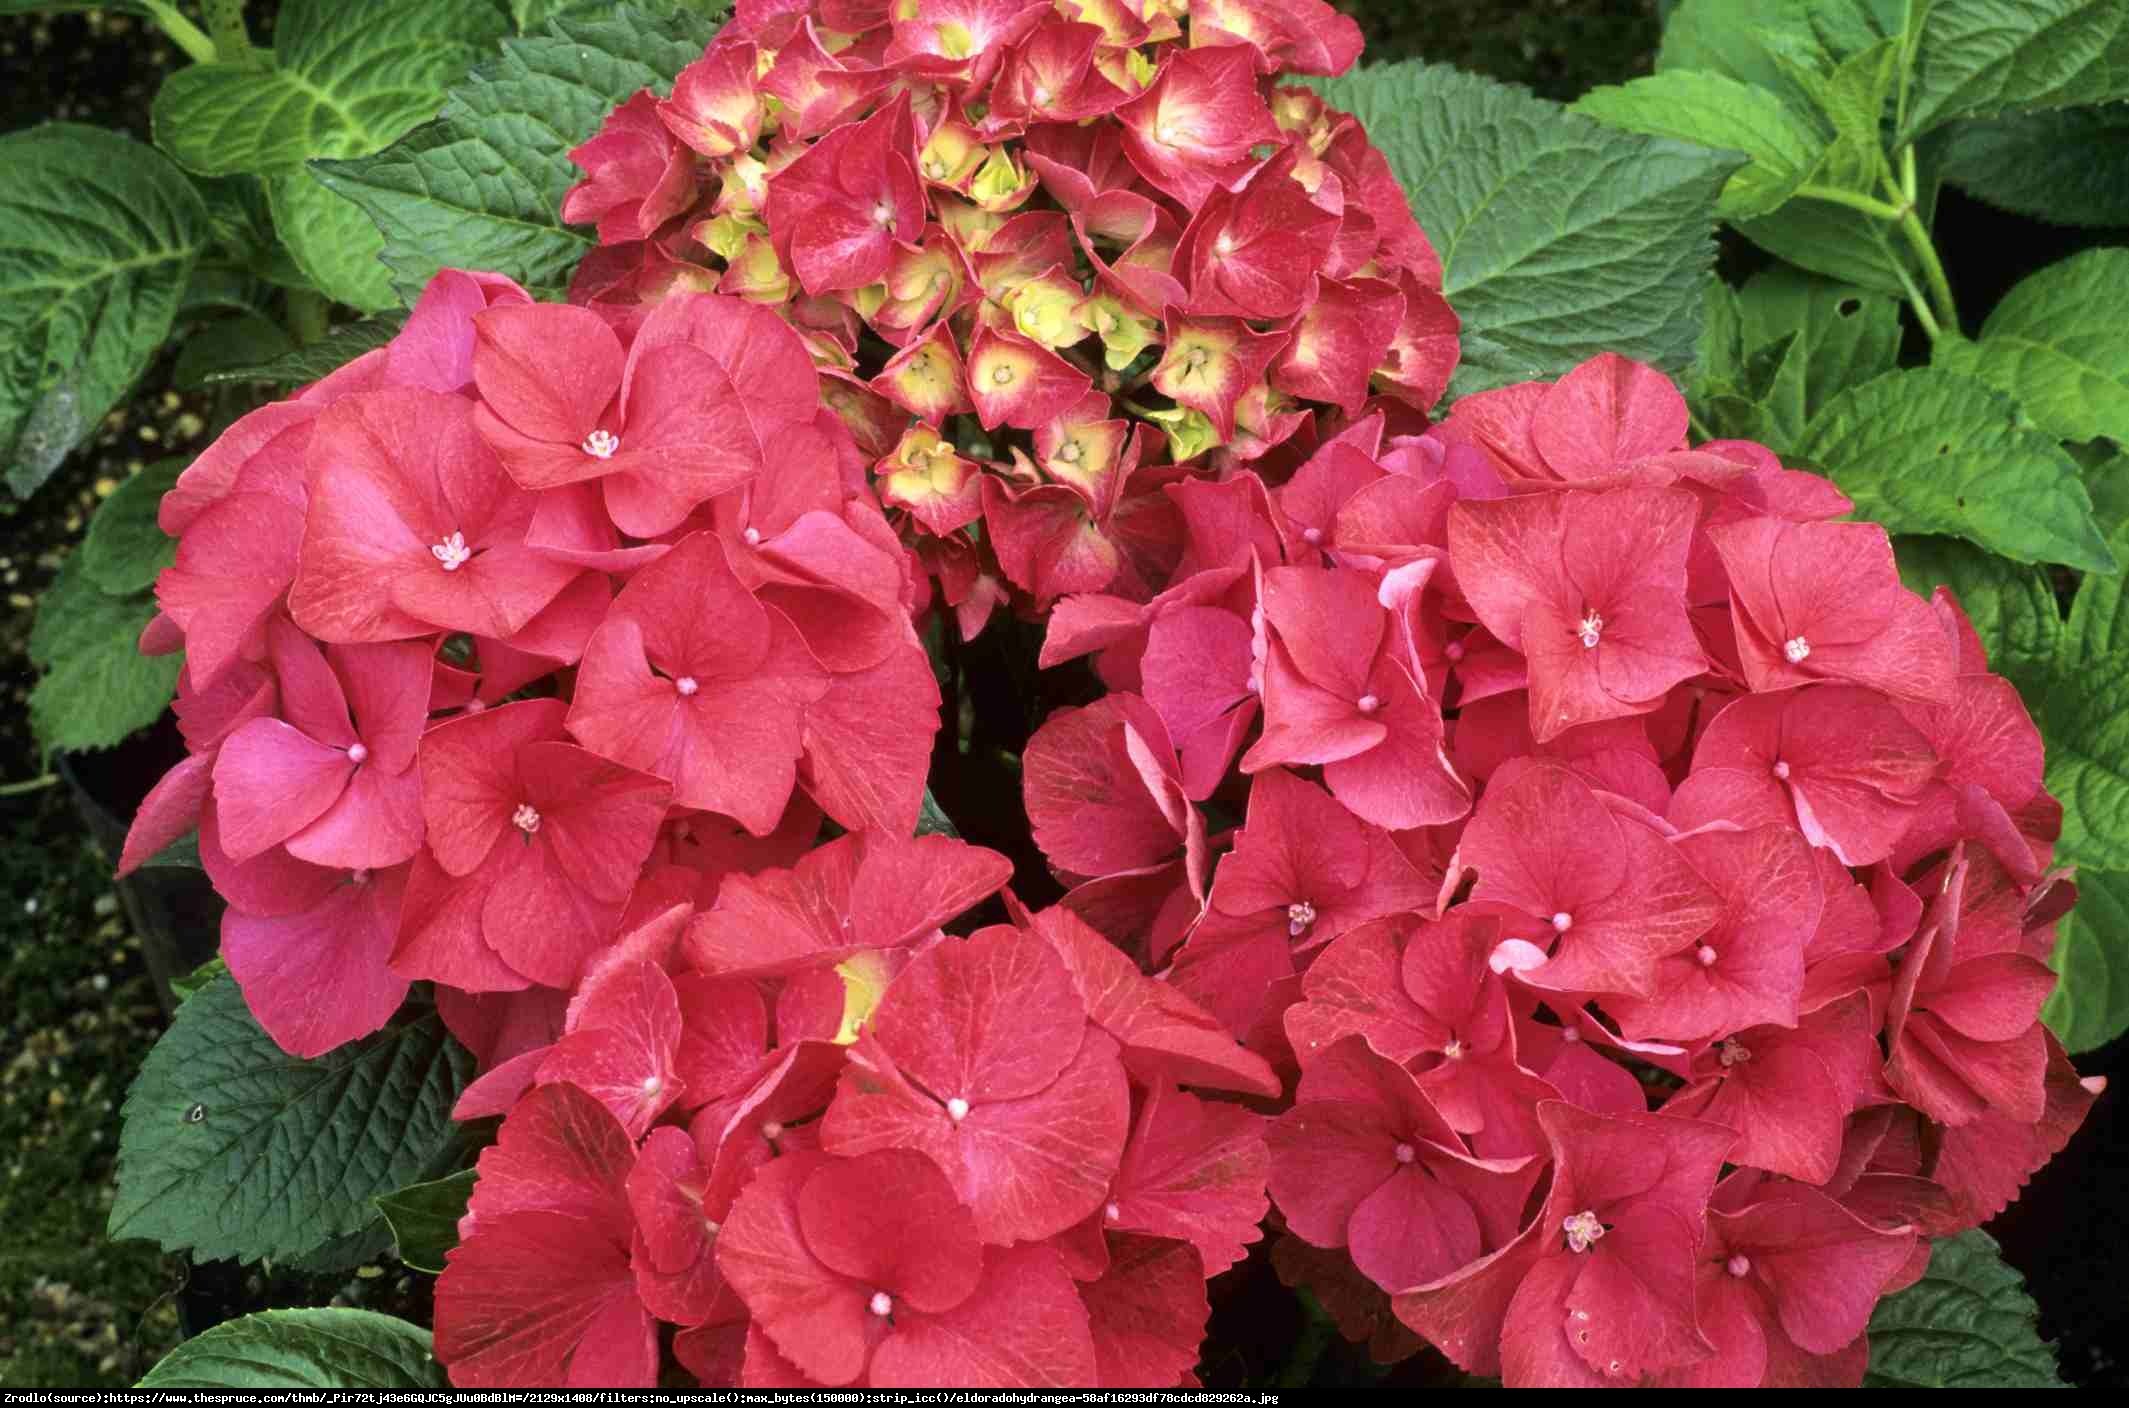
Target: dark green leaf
x,y
2090,1004
101,234
232,1148
2067,168
482,187
2058,345
1968,1323
1924,451
244,340
932,820
200,977
424,1218
2082,706
323,1349
1844,336
321,358
1978,58
2010,603
96,686
125,550
1559,237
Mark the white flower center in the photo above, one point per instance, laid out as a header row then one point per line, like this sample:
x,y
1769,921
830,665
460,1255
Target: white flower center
x,y
1298,917
772,1130
1404,1153
1705,956
686,685
1225,244
1001,376
1562,922
1797,650
1583,1231
957,1109
752,536
356,753
1590,630
882,1304
1113,1213
358,877
1738,1265
601,444
1312,536
1733,1052
1043,95
883,215
452,552
652,1085
526,818
1454,1051
1781,770
1368,704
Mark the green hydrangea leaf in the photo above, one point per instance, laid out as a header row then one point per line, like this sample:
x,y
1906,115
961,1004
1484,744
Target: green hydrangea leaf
x,y
2011,604
1844,336
338,253
321,358
1968,1323
333,1348
2090,1004
2058,345
1927,451
101,236
125,550
233,1148
482,186
2082,706
932,819
1711,110
2066,168
424,1218
1559,237
96,687
1978,58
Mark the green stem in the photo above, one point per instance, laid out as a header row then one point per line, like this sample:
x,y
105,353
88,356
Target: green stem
x,y
225,20
1833,195
1916,301
1699,427
28,785
183,32
307,320
1940,288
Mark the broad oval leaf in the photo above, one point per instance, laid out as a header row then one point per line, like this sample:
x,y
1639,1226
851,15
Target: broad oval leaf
x,y
2040,164
2058,345
102,234
424,1218
1977,58
126,548
2011,604
1927,451
1968,1323
327,1348
233,1148
482,187
1559,237
95,687
1711,110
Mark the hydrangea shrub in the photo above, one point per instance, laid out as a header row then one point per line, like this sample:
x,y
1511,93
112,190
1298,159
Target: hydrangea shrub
x,y
1535,864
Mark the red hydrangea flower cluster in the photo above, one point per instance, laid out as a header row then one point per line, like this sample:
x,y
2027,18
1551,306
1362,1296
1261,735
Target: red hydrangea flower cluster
x,y
1645,895
1045,253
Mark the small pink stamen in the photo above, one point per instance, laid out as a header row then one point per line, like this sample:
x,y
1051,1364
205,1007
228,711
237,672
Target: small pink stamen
x,y
358,877
652,1085
1368,704
772,1130
1796,651
356,753
686,685
1454,1051
1454,650
601,444
1705,956
1562,922
1298,917
452,553
1583,1231
1738,1265
957,1109
526,818
1113,1213
752,536
1312,536
1732,1052
882,1304
1781,770
1590,630
1404,1153
1225,244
